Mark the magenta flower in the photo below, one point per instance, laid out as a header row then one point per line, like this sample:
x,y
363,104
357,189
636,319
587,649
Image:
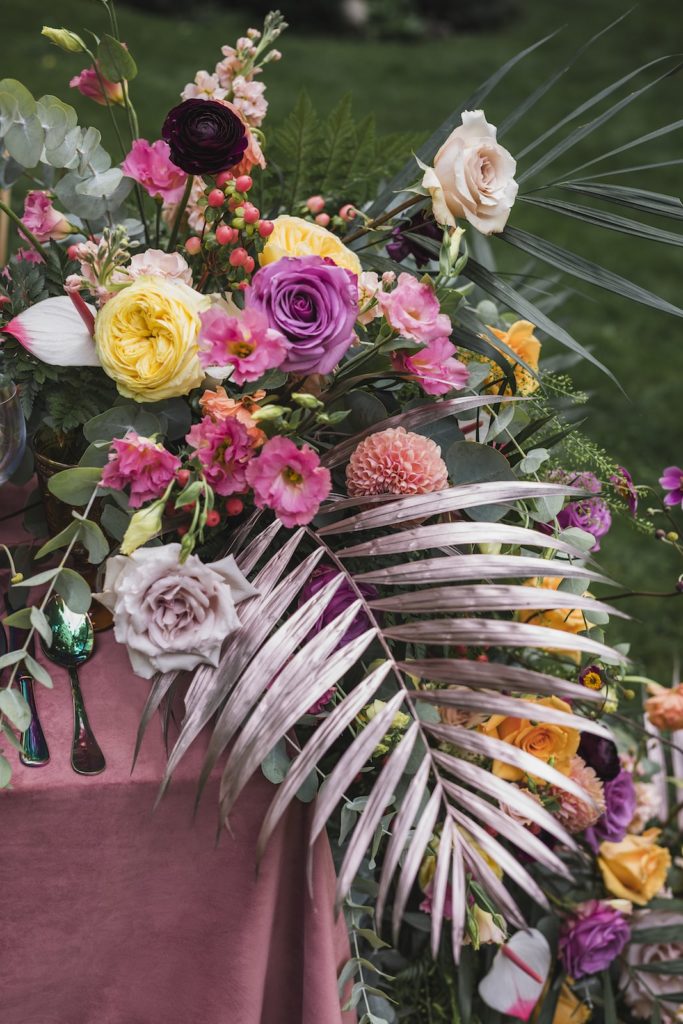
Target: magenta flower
x,y
150,164
224,449
289,480
672,481
413,310
141,464
343,596
42,220
96,87
622,481
589,514
435,366
246,343
620,806
593,939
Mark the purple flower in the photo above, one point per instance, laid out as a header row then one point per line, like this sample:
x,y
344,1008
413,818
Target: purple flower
x,y
593,939
403,244
204,136
620,806
601,754
344,596
672,480
314,303
622,481
589,514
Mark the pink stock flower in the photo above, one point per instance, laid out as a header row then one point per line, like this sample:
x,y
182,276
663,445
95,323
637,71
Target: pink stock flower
x,y
96,87
150,165
248,98
230,66
204,87
141,464
396,461
246,343
289,480
42,220
435,366
224,449
412,309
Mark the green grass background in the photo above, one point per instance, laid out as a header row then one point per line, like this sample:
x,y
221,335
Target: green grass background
x,y
412,86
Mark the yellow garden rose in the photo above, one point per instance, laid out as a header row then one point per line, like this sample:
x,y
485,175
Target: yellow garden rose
x,y
146,338
634,869
294,236
569,620
521,339
554,744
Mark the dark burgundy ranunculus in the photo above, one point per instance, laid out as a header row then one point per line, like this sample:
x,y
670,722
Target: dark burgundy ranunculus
x,y
601,755
204,136
403,245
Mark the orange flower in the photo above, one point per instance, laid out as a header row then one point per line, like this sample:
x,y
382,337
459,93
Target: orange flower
x,y
665,707
569,620
554,744
521,339
569,1009
636,868
219,406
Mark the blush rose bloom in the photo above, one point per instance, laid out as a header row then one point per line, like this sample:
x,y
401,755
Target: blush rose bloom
x,y
172,617
634,869
472,177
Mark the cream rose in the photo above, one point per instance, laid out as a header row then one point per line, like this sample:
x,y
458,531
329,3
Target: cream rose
x,y
172,617
472,177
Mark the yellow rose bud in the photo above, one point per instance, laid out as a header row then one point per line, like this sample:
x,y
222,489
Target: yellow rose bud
x,y
636,868
146,338
64,39
554,744
294,236
145,524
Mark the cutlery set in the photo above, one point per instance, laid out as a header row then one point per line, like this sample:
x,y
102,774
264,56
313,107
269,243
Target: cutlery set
x,y
73,643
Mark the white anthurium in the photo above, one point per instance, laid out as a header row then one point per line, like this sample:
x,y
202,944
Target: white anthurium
x,y
518,974
54,332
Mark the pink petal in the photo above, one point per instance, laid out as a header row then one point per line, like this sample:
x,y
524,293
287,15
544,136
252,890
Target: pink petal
x,y
54,332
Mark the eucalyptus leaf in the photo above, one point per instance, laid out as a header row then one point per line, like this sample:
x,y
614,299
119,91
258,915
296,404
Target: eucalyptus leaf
x,y
41,625
11,658
38,672
75,486
60,540
5,772
94,541
24,141
21,619
115,521
469,462
116,422
13,705
276,764
75,591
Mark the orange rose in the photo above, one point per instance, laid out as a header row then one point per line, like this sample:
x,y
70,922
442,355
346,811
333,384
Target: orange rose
x,y
634,869
554,744
521,339
219,406
665,707
569,620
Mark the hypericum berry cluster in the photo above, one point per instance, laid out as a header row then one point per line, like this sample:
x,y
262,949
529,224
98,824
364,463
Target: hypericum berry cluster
x,y
316,208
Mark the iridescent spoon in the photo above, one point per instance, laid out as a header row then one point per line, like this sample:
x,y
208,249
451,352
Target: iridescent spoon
x,y
73,640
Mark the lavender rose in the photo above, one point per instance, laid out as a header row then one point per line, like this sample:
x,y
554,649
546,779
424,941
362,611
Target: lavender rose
x,y
170,616
204,136
620,806
592,939
314,303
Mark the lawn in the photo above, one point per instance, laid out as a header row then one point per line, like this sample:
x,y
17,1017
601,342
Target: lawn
x,y
411,86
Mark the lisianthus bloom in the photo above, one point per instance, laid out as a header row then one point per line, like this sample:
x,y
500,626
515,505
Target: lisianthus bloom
x,y
170,265
620,806
589,514
427,904
92,83
592,938
664,707
146,339
521,339
553,744
141,464
568,620
472,177
224,449
634,869
314,304
640,989
289,480
622,481
435,367
672,481
294,236
403,243
413,310
219,406
204,87
577,815
396,461
42,220
150,164
246,343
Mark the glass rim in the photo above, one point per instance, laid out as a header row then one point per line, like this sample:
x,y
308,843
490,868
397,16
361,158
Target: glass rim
x,y
10,398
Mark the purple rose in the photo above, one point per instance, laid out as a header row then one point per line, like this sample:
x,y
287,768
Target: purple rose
x,y
314,303
589,514
593,939
404,243
601,754
204,136
620,806
344,596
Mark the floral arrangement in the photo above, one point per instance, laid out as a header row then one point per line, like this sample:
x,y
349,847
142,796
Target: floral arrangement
x,y
329,468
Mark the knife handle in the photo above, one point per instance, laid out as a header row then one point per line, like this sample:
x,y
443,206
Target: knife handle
x,y
35,751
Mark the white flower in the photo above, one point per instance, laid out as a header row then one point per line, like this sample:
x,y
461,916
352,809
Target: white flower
x,y
172,617
472,177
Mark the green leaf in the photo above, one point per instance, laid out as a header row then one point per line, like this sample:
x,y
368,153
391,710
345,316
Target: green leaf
x,y
14,706
276,764
20,619
337,142
373,938
608,221
669,967
295,144
24,141
609,1004
533,460
38,672
11,736
94,541
115,521
623,195
40,578
96,454
469,462
61,539
75,591
5,772
41,625
116,62
116,422
75,486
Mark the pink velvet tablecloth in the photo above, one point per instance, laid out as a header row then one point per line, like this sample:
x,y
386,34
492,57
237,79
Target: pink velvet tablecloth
x,y
114,915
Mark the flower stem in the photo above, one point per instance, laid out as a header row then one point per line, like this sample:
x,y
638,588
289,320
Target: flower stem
x,y
372,224
30,237
179,214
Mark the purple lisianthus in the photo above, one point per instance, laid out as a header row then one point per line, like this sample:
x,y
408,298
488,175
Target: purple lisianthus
x,y
314,303
593,939
622,481
620,806
601,755
589,514
672,481
344,596
204,136
403,244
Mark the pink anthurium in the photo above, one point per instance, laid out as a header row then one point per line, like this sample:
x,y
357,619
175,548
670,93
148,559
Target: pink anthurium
x,y
55,332
518,973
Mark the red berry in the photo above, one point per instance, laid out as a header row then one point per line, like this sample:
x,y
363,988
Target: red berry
x,y
323,219
348,212
182,476
242,286
251,214
189,507
265,228
182,530
233,204
482,657
193,245
238,256
316,204
224,234
212,518
223,178
234,506
249,264
243,183
216,197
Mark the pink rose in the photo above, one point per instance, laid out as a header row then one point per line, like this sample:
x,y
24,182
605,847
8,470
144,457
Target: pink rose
x,y
141,464
289,480
413,310
90,84
41,218
170,265
150,165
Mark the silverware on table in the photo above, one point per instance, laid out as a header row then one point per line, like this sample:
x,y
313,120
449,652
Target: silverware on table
x,y
35,752
73,641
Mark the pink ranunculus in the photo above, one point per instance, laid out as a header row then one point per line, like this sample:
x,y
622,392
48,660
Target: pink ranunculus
x,y
435,366
246,343
412,309
97,87
224,449
151,166
170,265
249,99
141,464
42,220
289,480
